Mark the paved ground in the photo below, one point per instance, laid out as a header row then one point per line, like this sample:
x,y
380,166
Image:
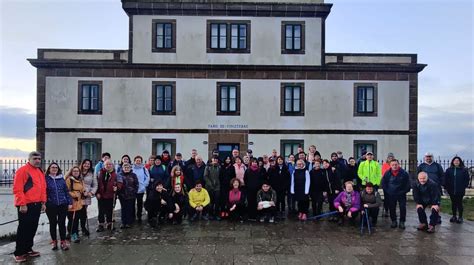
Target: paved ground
x,y
290,242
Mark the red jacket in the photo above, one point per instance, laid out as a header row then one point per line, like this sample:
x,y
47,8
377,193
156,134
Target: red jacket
x,y
106,189
29,185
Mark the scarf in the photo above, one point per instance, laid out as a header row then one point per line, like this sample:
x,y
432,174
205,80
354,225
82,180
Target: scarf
x,y
348,202
234,195
254,167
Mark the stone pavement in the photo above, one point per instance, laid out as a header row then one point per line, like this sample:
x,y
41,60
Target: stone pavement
x,y
289,242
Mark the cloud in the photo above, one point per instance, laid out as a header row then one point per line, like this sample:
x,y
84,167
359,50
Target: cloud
x,y
17,123
13,154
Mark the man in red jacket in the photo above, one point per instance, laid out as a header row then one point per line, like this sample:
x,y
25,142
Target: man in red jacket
x,y
29,189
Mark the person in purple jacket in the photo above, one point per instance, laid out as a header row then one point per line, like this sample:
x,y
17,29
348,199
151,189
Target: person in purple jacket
x,y
348,203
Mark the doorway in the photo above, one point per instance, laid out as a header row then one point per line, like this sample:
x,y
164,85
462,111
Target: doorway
x,y
225,150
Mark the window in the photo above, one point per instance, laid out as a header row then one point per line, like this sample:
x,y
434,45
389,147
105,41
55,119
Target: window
x,y
288,147
90,97
159,145
292,99
228,98
163,35
228,36
218,36
164,98
238,36
89,149
364,146
293,37
365,99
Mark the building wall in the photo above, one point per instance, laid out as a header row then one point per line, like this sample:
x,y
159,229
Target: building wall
x,y
64,145
127,104
191,42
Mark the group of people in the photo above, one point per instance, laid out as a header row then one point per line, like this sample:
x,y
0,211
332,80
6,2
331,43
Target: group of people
x,y
237,188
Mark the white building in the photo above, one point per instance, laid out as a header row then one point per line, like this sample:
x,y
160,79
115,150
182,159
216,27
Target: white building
x,y
222,74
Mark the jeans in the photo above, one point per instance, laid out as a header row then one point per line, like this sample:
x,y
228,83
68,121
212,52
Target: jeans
x,y
57,218
434,217
139,205
127,213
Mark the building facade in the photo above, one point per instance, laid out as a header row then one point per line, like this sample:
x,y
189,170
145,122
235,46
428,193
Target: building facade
x,y
222,75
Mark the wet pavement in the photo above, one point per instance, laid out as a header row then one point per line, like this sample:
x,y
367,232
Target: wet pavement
x,y
288,242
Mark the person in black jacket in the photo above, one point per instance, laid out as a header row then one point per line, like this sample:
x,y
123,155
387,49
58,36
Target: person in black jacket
x,y
157,203
236,201
226,175
333,187
300,182
318,188
266,199
456,181
280,181
352,174
253,179
396,185
195,172
426,194
177,205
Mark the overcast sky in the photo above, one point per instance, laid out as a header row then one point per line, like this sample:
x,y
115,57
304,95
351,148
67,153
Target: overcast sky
x,y
440,32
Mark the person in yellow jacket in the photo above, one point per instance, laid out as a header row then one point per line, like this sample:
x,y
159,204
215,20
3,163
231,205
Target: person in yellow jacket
x,y
198,202
76,191
369,171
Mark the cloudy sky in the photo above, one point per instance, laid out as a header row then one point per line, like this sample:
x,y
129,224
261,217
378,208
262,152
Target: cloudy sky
x,y
440,32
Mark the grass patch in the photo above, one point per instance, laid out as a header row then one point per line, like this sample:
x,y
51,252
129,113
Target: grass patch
x,y
468,207
5,239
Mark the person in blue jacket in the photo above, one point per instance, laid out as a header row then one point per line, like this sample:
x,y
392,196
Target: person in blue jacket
x,y
143,176
456,181
57,204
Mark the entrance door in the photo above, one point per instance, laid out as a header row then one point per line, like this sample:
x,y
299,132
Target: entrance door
x,y
225,150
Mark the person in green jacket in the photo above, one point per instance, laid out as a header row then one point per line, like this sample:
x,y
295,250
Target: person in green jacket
x,y
369,171
211,179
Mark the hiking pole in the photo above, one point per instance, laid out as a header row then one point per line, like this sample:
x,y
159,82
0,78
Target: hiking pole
x,y
322,215
367,219
72,222
87,225
113,211
362,224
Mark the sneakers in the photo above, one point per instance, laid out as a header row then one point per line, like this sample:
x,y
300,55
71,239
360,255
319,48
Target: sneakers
x,y
223,214
460,220
64,245
100,228
75,238
20,259
394,224
431,229
300,215
262,219
453,219
421,227
272,220
401,225
33,254
54,245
